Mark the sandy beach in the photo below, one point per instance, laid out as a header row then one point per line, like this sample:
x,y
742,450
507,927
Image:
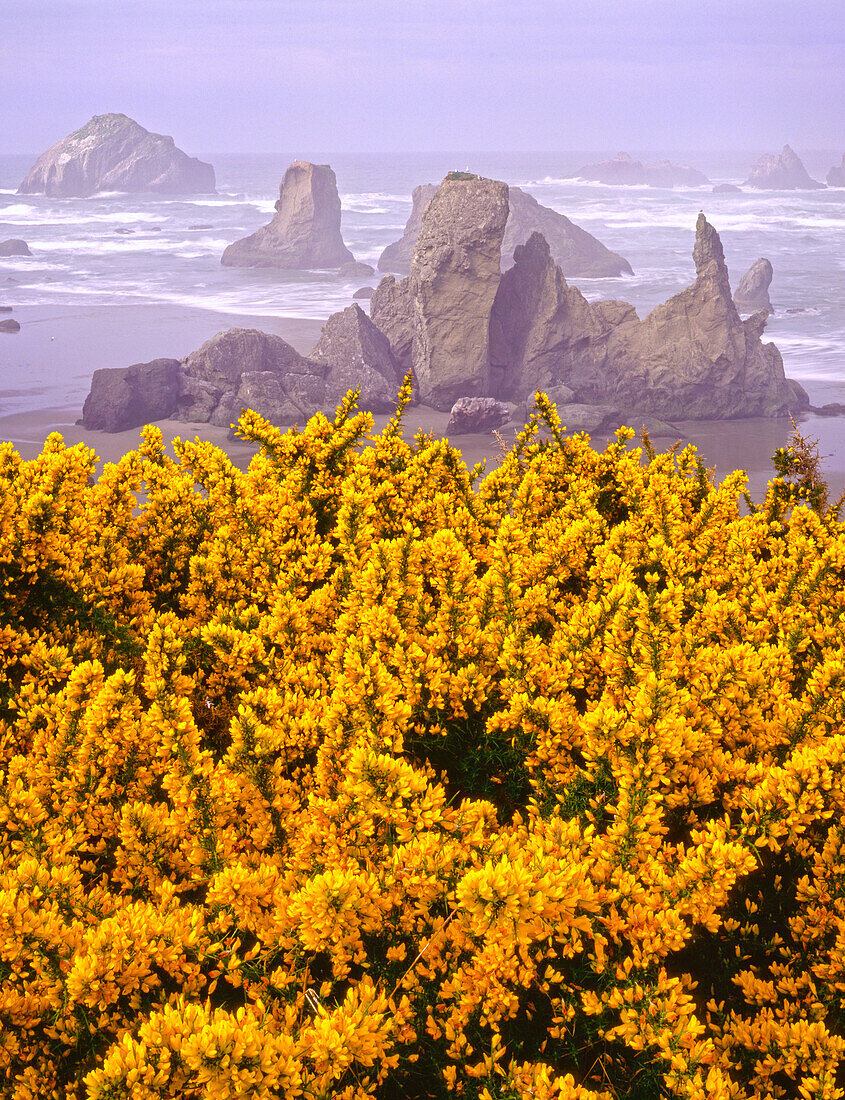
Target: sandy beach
x,y
52,358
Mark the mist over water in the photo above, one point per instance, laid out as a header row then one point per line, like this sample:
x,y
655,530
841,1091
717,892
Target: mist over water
x,y
79,260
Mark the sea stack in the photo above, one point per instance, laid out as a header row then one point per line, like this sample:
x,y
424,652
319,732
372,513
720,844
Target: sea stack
x,y
836,176
305,230
753,290
113,153
781,172
453,281
14,247
576,250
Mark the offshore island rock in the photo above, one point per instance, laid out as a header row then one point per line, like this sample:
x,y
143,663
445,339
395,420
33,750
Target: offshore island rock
x,y
576,250
14,247
305,231
113,153
781,172
623,169
10,325
836,176
753,290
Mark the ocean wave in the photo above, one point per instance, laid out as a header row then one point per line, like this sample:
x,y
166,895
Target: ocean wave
x,y
148,244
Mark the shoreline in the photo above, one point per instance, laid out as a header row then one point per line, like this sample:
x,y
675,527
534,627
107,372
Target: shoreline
x,y
726,445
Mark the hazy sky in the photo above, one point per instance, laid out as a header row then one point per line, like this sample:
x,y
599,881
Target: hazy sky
x,y
390,75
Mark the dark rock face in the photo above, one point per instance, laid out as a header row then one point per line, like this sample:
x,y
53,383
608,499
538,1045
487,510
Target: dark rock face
x,y
305,230
577,251
623,169
477,414
453,281
364,293
836,176
781,172
10,325
358,355
6,309
14,247
114,153
726,189
355,270
222,376
128,397
392,312
753,290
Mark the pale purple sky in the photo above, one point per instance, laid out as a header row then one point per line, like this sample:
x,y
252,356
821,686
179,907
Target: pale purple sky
x,y
417,75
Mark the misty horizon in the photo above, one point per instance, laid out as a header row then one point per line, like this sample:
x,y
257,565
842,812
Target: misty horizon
x,y
388,77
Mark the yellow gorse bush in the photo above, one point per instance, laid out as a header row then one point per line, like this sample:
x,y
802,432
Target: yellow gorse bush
x,y
362,774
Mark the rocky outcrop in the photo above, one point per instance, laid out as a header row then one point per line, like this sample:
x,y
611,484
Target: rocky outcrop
x,y
727,189
781,172
453,282
364,293
392,312
10,325
355,270
576,250
477,414
222,375
128,397
753,290
14,247
114,153
623,169
358,356
836,176
691,358
305,230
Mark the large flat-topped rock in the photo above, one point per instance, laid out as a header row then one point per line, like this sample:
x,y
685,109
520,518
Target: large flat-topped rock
x,y
576,250
624,169
452,285
114,153
781,172
305,230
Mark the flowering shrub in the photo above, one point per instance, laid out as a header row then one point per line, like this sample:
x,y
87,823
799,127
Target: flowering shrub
x,y
362,774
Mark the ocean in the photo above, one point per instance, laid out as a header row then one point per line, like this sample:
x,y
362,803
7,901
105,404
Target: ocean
x,y
166,258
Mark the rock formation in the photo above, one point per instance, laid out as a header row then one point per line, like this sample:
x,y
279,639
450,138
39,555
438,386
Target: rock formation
x,y
576,250
358,355
453,282
14,247
355,270
220,378
477,414
836,176
753,290
392,312
305,230
364,293
781,172
114,153
623,169
691,358
727,189
127,397
10,325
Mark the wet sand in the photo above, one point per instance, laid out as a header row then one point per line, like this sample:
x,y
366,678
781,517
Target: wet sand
x,y
725,444
50,363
